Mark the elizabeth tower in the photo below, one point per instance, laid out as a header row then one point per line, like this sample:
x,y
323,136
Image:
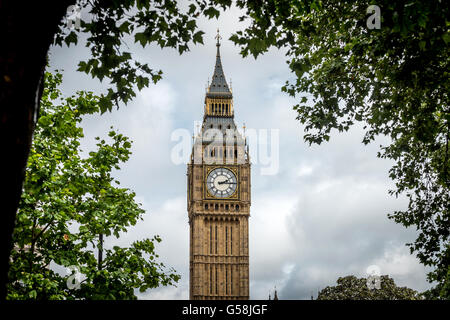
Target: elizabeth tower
x,y
218,177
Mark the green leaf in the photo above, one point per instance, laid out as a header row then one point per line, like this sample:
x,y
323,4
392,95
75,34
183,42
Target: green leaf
x,y
141,38
71,38
198,37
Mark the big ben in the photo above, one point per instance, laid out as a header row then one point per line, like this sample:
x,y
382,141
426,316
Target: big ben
x,y
218,177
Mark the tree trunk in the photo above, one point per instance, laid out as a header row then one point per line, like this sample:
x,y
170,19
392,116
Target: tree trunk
x,y
100,251
27,30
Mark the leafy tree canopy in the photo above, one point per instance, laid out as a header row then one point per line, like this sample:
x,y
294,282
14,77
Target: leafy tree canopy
x,y
67,202
395,80
353,288
108,24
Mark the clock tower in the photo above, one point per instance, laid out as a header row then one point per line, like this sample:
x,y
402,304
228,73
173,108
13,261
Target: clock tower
x,y
218,199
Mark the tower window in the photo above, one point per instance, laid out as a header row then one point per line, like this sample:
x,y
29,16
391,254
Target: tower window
x,y
226,280
226,240
210,239
216,246
231,279
226,108
216,280
210,280
231,240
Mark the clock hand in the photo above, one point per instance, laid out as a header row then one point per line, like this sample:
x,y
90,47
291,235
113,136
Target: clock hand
x,y
226,181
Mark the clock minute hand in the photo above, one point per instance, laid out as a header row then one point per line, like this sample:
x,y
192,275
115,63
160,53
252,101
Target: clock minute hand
x,y
226,181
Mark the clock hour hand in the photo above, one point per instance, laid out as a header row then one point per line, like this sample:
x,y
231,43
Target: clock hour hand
x,y
226,181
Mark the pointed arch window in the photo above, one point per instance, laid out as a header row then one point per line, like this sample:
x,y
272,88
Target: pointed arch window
x,y
231,240
216,280
226,280
231,279
210,280
210,239
226,240
216,241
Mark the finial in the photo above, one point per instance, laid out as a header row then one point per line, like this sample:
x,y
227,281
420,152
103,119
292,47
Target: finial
x,y
218,37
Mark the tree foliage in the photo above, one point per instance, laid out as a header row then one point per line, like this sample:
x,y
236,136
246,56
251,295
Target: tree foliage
x,y
109,24
395,80
106,26
67,202
353,288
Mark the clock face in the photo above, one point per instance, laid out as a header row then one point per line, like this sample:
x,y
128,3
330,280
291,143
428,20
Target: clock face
x,y
221,182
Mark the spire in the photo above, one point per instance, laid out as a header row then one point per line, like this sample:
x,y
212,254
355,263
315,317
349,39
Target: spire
x,y
218,86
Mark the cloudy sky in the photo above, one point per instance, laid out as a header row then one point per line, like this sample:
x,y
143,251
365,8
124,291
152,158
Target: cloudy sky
x,y
321,216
